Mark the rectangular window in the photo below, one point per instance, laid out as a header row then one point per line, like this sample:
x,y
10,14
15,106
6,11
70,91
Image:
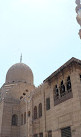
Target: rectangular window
x,y
40,134
47,103
21,119
66,132
49,133
25,118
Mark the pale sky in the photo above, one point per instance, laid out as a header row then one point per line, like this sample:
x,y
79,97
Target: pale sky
x,y
44,31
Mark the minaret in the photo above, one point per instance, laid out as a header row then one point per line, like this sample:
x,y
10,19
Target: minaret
x,y
78,11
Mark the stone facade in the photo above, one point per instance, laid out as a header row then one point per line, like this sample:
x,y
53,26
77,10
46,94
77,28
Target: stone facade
x,y
78,17
51,110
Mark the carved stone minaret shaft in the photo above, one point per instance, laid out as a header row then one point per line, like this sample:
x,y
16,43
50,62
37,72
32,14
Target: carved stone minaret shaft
x,y
78,11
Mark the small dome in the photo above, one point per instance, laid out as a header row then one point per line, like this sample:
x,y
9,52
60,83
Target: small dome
x,y
19,73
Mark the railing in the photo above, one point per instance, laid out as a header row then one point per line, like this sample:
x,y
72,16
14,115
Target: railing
x,y
63,96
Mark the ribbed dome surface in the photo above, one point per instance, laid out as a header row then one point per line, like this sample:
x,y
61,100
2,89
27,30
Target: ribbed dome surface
x,y
19,73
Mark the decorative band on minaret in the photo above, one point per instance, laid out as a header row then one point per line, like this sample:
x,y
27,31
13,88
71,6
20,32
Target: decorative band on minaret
x,y
78,11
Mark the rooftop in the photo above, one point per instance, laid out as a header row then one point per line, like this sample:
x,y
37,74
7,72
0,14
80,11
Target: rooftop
x,y
62,67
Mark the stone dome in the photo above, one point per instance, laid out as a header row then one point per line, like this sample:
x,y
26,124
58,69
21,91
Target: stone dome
x,y
19,72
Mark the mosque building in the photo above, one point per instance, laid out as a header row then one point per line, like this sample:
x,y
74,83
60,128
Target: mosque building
x,y
51,110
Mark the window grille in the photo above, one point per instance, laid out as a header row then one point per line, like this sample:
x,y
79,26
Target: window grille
x,y
62,94
66,132
47,103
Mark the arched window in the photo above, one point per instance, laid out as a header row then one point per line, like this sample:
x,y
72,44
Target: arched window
x,y
14,120
29,113
40,109
62,89
56,92
35,112
25,118
68,84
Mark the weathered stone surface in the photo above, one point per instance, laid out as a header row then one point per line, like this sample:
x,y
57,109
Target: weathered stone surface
x,y
66,113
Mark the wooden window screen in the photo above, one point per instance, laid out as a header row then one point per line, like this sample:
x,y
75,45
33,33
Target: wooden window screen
x,y
66,132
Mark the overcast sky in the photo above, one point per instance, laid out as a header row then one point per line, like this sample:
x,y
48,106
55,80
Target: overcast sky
x,y
44,31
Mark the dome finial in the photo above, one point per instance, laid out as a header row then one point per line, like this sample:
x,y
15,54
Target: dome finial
x,y
21,58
